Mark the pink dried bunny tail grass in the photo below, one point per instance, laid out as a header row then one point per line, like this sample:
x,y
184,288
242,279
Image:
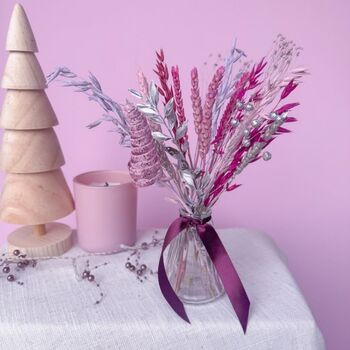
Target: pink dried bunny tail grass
x,y
205,132
196,101
144,165
143,84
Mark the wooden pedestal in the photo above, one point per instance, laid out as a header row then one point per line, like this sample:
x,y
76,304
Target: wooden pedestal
x,y
56,241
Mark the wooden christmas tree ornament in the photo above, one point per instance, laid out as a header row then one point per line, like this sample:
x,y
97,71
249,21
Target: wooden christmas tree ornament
x,y
35,191
23,72
27,110
20,36
30,199
20,150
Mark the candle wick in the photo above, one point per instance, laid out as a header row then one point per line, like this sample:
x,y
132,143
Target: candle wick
x,y
106,184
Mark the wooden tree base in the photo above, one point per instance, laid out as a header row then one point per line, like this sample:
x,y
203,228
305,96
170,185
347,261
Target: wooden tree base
x,y
56,241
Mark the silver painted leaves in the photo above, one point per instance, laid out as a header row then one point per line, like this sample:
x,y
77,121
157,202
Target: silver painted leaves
x,y
135,93
187,177
159,136
181,131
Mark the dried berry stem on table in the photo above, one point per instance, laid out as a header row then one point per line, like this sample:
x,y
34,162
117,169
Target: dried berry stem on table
x,y
15,263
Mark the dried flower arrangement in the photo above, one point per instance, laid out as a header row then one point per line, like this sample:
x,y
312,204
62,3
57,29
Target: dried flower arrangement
x,y
240,114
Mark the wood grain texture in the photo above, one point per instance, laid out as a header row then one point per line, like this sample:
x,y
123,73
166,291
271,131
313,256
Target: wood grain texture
x,y
23,72
20,36
26,110
31,199
57,240
35,191
30,151
39,230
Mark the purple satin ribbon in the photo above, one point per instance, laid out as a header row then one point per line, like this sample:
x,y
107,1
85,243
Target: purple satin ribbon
x,y
222,262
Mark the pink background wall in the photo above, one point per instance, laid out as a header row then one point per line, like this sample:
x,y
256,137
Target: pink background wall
x,y
301,197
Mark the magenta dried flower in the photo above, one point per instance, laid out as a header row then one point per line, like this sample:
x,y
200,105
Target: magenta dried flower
x,y
286,107
163,73
288,89
231,107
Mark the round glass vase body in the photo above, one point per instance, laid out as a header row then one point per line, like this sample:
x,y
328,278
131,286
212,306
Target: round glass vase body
x,y
189,268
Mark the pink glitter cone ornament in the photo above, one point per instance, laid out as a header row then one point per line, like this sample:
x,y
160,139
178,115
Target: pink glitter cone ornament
x,y
244,110
144,165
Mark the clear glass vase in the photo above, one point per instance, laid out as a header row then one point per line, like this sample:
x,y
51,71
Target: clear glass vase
x,y
189,268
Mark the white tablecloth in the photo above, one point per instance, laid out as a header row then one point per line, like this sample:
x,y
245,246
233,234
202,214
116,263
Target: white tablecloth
x,y
55,311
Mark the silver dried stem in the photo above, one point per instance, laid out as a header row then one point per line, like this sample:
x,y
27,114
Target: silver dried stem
x,y
227,84
178,171
92,88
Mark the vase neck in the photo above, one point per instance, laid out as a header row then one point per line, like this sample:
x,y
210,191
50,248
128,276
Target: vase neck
x,y
201,216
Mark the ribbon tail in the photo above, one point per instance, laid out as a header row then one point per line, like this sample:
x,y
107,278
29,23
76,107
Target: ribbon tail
x,y
227,273
169,294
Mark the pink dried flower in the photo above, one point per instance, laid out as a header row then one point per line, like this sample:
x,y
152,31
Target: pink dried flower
x,y
282,130
179,107
143,84
223,178
230,108
205,132
291,120
286,107
255,74
196,101
261,65
248,81
232,187
288,89
178,95
144,165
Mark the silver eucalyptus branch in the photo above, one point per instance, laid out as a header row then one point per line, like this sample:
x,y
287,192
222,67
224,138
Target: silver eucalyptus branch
x,y
180,181
92,88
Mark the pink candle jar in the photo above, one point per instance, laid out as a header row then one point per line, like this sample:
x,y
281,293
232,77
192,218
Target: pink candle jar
x,y
106,205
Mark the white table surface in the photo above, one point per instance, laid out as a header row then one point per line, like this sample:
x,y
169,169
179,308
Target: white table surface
x,y
52,310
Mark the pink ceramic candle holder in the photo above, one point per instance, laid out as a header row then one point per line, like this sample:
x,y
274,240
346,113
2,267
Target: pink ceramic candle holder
x,y
106,204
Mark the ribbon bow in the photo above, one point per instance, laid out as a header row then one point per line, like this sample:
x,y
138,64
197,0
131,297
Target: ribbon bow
x,y
221,260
